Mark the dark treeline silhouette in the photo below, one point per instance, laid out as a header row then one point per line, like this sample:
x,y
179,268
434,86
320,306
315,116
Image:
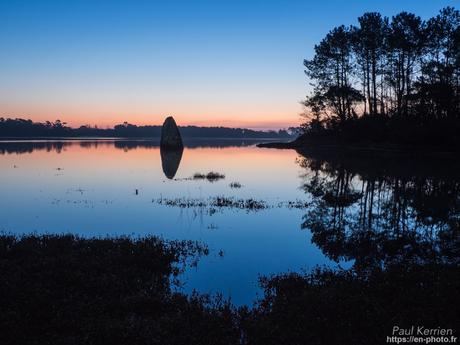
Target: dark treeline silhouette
x,y
21,128
387,81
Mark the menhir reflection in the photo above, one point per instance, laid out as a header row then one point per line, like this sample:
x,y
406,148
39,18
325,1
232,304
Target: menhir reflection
x,y
382,210
170,160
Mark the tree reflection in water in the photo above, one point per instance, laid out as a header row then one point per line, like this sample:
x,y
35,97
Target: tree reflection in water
x,y
379,210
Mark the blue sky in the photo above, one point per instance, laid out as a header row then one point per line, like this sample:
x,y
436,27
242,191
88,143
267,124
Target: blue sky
x,y
236,63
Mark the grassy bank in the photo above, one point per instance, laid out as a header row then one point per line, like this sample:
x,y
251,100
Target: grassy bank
x,y
69,290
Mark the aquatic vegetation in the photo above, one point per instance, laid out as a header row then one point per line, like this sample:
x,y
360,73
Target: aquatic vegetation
x,y
198,176
214,176
182,202
216,203
220,202
249,204
211,176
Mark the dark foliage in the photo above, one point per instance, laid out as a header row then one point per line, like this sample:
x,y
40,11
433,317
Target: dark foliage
x,y
69,290
21,128
387,81
352,307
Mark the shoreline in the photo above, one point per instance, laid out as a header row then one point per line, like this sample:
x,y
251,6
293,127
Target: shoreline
x,y
4,139
362,149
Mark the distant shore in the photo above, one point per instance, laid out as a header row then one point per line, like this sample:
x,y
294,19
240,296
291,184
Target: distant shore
x,y
134,137
26,128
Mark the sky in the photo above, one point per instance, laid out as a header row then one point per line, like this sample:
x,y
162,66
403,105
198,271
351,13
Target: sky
x,y
235,63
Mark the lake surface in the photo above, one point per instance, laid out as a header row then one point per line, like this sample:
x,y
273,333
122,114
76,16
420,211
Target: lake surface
x,y
293,211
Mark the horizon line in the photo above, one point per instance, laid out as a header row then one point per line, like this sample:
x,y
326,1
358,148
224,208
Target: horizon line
x,y
257,127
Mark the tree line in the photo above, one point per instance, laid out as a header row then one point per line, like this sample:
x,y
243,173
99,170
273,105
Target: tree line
x,y
387,79
28,128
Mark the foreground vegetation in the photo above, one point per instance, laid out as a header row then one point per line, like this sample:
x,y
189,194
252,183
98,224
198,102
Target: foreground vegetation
x,y
69,290
387,81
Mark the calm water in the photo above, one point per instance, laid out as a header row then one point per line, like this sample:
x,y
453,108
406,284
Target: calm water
x,y
99,188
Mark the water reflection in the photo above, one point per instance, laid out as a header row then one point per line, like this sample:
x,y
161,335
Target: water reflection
x,y
29,146
369,210
170,160
379,210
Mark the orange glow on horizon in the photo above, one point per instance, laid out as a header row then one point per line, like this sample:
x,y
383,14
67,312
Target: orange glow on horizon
x,y
253,116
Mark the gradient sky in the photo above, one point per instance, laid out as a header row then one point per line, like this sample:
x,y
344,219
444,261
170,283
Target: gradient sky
x,y
230,63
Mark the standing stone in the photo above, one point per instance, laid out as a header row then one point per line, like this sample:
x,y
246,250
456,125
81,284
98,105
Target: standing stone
x,y
170,135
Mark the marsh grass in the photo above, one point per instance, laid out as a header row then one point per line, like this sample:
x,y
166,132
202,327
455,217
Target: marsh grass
x,y
218,202
63,289
224,202
211,176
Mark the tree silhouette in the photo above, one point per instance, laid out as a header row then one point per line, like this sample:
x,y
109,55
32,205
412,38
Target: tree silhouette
x,y
387,80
